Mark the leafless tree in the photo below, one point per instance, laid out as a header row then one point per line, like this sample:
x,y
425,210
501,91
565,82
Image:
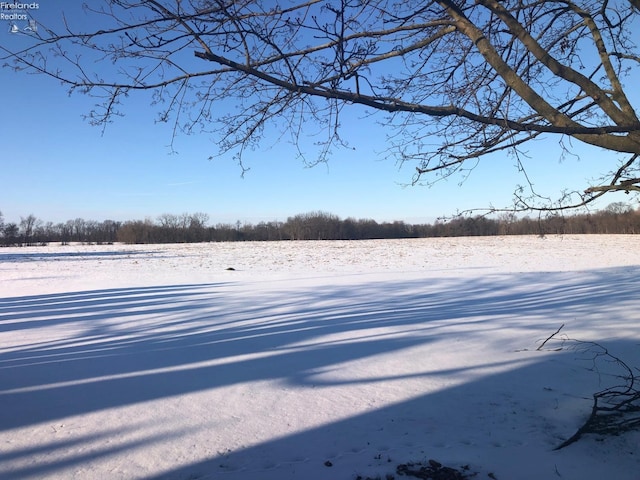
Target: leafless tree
x,y
28,226
455,81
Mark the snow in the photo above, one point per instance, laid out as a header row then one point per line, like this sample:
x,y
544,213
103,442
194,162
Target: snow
x,y
313,360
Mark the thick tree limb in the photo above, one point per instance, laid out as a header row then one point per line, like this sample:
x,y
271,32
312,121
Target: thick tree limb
x,y
457,81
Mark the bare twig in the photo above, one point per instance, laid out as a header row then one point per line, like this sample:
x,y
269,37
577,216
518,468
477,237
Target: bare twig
x,y
550,337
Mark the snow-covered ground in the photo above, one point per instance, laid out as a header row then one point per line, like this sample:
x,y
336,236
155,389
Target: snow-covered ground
x,y
313,360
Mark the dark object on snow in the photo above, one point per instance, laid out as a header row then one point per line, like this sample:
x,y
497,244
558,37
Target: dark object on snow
x,y
433,471
230,268
615,409
328,464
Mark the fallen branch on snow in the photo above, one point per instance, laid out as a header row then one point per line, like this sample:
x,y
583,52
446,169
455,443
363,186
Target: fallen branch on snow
x,y
615,409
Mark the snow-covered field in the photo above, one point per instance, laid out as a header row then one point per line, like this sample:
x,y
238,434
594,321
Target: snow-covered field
x,y
313,360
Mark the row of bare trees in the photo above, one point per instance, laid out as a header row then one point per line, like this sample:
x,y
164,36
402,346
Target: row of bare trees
x,y
33,231
168,228
193,227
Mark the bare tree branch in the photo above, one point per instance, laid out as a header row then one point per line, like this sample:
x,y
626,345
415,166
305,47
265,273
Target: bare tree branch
x,y
456,81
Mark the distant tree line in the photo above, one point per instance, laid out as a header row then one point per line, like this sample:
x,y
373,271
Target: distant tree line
x,y
193,227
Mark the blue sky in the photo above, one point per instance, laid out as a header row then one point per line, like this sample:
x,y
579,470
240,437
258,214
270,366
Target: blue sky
x,y
56,166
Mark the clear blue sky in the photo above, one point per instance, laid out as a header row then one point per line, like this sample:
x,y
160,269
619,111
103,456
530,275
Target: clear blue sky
x,y
56,166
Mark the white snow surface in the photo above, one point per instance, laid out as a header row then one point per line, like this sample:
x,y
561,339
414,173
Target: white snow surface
x,y
314,360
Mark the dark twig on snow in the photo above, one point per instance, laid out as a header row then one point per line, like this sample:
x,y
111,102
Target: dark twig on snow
x,y
550,337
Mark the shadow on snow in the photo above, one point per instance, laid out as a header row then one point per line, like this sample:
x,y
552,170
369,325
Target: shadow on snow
x,y
111,348
70,255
